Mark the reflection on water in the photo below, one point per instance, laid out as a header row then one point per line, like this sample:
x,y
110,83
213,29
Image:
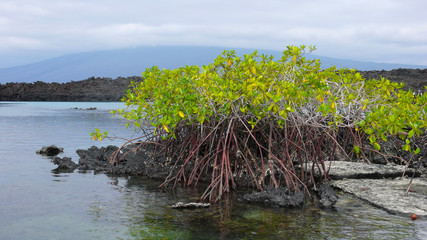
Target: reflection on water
x,y
38,202
146,211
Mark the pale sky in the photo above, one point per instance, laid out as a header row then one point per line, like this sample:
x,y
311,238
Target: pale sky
x,y
392,31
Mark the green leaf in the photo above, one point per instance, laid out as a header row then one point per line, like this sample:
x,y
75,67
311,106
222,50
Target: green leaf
x,y
411,133
384,138
406,147
356,149
417,151
369,131
377,146
201,119
372,139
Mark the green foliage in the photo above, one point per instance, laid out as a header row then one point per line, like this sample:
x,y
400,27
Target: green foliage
x,y
256,87
252,87
98,135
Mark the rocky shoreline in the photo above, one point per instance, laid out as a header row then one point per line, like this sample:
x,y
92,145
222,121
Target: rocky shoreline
x,y
89,90
106,89
414,79
376,184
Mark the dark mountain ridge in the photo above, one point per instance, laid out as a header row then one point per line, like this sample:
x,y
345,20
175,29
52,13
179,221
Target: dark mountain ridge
x,y
133,61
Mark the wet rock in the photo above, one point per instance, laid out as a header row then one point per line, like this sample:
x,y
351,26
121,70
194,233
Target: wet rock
x,y
145,162
275,196
96,158
327,195
133,161
389,194
181,205
51,150
64,163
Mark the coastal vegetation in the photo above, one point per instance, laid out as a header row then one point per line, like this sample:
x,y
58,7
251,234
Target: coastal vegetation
x,y
271,121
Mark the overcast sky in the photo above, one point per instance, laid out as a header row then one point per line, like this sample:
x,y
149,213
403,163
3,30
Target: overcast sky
x,y
393,31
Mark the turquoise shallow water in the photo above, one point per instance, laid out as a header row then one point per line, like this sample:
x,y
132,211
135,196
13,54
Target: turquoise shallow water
x,y
39,203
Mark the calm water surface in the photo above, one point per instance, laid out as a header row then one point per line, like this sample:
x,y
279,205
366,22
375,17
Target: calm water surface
x,y
36,202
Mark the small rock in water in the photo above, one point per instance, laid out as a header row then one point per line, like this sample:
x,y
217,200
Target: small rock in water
x,y
51,150
89,108
179,205
327,195
275,196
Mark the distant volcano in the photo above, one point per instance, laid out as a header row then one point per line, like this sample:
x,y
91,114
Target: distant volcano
x,y
133,61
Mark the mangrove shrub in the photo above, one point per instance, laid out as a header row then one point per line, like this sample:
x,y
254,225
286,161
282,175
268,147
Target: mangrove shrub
x,y
270,121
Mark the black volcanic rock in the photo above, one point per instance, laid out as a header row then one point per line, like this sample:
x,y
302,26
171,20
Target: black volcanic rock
x,y
65,164
51,150
414,79
133,160
328,196
89,90
275,197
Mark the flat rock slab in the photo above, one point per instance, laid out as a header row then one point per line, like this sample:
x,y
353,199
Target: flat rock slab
x,y
388,194
342,170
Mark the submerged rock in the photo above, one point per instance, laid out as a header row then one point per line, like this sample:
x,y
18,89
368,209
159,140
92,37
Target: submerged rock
x,y
51,150
327,194
275,196
181,205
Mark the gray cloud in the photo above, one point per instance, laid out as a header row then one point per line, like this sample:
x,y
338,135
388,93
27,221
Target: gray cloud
x,y
384,31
